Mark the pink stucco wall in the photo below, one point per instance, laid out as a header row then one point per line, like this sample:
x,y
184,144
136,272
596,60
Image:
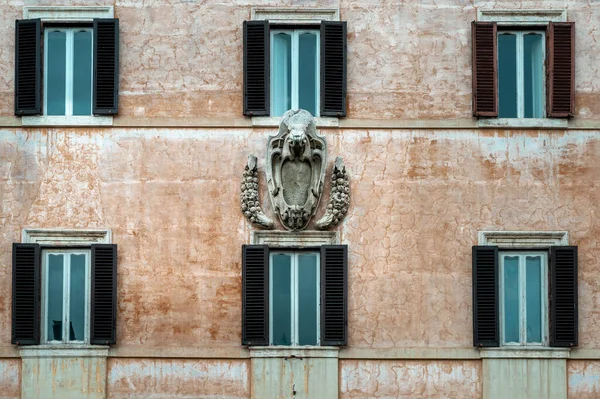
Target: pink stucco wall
x,y
583,379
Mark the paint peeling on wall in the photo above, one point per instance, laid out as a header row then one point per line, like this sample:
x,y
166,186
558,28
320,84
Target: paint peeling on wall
x,y
583,379
10,378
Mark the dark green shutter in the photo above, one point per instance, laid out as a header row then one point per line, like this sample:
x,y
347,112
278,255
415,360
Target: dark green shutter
x,y
256,68
563,296
103,320
333,68
255,295
106,67
28,67
485,296
334,295
485,68
26,294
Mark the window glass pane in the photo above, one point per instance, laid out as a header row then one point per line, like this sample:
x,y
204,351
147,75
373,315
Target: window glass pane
x,y
307,299
82,73
511,299
307,72
532,75
507,76
282,300
77,298
533,295
56,73
281,74
54,297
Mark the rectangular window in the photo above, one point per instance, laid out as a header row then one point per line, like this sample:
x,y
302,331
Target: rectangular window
x,y
65,296
521,74
68,71
523,293
294,71
294,300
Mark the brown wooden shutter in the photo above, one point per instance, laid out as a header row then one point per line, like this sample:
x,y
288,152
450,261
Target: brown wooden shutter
x,y
103,320
561,69
255,295
26,294
28,67
563,296
106,67
334,295
333,68
485,296
256,68
485,69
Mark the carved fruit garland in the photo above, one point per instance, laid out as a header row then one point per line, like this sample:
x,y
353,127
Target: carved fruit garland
x,y
250,202
339,199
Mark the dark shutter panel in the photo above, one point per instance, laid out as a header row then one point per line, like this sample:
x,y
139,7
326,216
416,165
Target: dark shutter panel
x,y
561,69
333,68
485,296
256,68
255,295
485,70
106,67
26,294
563,297
334,295
103,320
28,67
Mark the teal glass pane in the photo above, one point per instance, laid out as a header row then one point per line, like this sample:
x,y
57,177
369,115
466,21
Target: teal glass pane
x,y
82,73
54,297
281,74
533,297
307,72
533,79
511,299
77,298
507,76
281,298
307,299
56,73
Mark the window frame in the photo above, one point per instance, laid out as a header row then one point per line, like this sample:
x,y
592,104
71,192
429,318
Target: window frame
x,y
294,295
46,251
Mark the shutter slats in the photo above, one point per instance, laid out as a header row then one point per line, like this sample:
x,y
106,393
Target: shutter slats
x,y
333,68
256,68
26,294
485,296
563,296
561,69
106,67
485,72
28,67
334,295
104,294
255,295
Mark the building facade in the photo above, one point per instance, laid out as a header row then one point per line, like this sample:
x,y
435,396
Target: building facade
x,y
466,259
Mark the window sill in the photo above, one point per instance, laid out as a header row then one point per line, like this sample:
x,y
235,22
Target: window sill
x,y
51,120
525,353
63,350
540,123
274,121
294,351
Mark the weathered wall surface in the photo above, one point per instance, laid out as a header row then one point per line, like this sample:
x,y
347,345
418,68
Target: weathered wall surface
x,y
10,378
406,59
583,379
410,379
177,379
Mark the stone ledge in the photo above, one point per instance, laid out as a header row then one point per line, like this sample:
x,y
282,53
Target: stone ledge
x,y
63,351
525,353
294,352
288,239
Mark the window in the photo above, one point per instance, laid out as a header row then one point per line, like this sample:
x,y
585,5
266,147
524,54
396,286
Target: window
x,y
294,71
65,298
523,297
294,300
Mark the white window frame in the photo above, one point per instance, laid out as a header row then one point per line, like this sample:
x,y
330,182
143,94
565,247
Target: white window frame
x,y
294,295
70,32
520,34
66,295
522,298
295,35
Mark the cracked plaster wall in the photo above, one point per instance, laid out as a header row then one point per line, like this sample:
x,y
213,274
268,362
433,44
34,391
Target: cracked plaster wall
x,y
583,379
406,59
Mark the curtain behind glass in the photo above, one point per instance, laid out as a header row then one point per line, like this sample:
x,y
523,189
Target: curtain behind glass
x,y
533,64
307,72
281,74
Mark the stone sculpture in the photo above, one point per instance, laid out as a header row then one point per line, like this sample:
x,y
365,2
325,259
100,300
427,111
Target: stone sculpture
x,y
249,198
339,198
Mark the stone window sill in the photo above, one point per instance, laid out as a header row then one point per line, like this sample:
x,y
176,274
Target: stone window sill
x,y
51,120
519,123
294,351
63,351
274,121
525,353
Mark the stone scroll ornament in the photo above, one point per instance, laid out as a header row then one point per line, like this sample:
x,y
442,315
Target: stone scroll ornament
x,y
295,168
